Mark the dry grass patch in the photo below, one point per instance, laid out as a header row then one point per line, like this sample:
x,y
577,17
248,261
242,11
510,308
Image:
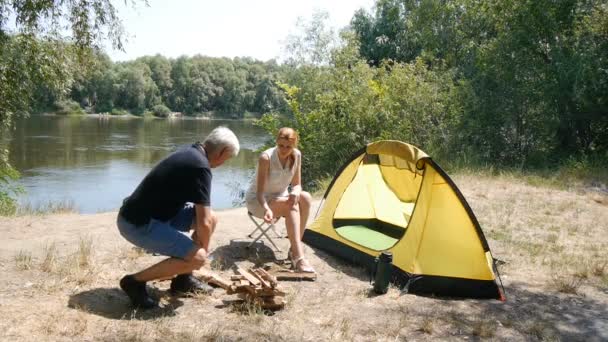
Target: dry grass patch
x,y
568,284
133,253
540,233
484,328
598,269
248,309
542,331
427,326
49,257
23,260
343,331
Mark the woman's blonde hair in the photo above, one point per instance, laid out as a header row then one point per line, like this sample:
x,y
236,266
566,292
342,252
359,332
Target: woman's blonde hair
x,y
289,134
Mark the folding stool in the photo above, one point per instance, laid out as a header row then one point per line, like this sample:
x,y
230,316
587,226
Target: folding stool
x,y
263,228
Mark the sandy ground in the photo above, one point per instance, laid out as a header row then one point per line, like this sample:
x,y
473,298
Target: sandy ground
x,y
60,281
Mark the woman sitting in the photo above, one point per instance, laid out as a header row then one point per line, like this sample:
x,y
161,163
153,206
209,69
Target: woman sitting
x,y
268,196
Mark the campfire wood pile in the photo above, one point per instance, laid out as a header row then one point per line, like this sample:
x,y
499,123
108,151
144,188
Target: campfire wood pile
x,y
254,285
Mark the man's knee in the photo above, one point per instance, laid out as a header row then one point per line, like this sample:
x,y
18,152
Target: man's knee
x,y
197,258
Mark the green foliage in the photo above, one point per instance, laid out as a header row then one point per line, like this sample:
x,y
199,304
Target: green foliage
x,y
357,104
161,111
119,112
191,85
8,189
37,66
68,107
531,74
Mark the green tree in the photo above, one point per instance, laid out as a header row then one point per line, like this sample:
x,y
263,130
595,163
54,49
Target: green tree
x,y
34,54
530,72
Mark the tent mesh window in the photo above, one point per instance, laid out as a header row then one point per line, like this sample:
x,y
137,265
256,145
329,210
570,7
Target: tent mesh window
x,y
375,208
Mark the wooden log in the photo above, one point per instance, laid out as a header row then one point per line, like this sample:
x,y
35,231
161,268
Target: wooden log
x,y
236,277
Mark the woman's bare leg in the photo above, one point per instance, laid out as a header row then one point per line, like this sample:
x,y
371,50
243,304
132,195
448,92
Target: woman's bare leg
x,y
305,203
280,207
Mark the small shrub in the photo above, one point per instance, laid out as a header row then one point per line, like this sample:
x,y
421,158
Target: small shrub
x,y
68,107
161,111
8,206
118,112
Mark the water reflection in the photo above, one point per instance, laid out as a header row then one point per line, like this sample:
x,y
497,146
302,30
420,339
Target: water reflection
x,y
95,162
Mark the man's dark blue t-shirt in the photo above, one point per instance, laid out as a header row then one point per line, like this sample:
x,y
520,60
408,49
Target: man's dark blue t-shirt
x,y
183,176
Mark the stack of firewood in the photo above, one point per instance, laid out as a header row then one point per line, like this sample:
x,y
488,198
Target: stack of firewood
x,y
254,286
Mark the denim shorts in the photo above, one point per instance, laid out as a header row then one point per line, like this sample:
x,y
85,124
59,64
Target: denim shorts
x,y
162,237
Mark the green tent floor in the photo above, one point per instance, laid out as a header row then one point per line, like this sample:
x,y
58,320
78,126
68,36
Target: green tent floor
x,y
366,237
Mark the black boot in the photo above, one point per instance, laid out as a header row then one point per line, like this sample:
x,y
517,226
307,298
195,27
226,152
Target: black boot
x,y
136,290
187,283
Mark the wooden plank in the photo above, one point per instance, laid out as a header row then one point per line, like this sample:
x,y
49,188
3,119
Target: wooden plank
x,y
272,303
248,276
268,292
262,281
215,279
297,276
231,290
269,277
236,277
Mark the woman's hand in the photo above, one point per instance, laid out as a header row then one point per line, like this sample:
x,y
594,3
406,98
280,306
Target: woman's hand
x,y
268,216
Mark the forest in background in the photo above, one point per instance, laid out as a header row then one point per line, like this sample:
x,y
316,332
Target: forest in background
x,y
158,86
512,83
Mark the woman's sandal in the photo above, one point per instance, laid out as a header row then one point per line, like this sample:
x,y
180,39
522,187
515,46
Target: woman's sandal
x,y
298,267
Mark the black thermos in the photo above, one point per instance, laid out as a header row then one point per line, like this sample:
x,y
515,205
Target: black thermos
x,y
384,270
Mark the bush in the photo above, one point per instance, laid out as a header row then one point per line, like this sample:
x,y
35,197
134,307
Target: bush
x,y
118,111
8,189
337,111
68,107
161,111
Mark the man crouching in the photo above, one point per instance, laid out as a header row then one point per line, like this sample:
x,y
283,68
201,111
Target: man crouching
x,y
174,197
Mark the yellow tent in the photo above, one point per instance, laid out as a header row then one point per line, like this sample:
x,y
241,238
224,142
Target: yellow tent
x,y
393,197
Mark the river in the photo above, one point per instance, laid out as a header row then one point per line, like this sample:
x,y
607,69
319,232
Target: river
x,y
94,162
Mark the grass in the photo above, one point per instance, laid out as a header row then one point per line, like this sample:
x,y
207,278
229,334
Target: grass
x,y
45,208
23,260
484,328
85,249
427,326
75,267
49,258
567,283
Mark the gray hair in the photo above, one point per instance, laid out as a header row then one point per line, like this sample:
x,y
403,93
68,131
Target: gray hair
x,y
220,138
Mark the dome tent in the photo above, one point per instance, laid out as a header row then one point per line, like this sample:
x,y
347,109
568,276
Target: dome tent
x,y
391,196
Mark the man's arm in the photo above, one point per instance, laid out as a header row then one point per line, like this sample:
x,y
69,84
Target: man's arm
x,y
205,224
